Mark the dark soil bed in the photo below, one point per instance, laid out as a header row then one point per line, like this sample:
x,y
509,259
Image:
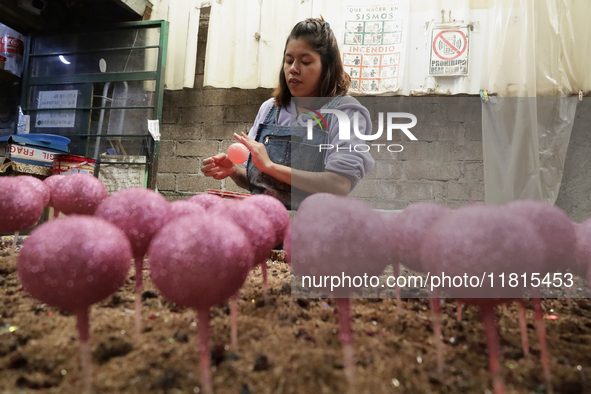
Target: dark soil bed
x,y
286,345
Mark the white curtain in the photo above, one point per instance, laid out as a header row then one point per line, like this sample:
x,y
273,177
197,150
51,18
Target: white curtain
x,y
245,41
183,18
526,129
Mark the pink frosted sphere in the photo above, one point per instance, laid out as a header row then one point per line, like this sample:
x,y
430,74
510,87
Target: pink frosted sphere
x,y
206,200
139,212
74,262
237,153
200,261
407,232
78,194
582,254
182,208
582,265
554,227
39,185
256,226
21,205
333,235
390,219
276,212
481,240
287,245
52,182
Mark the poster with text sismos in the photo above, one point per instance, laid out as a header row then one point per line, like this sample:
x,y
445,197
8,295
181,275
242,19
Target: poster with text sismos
x,y
373,46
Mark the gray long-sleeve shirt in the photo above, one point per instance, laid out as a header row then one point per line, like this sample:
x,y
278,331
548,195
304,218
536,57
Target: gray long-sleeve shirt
x,y
345,161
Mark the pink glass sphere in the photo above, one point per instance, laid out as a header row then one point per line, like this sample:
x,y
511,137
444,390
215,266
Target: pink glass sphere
x,y
237,153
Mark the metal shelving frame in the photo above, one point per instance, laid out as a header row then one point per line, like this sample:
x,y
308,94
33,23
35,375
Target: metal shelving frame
x,y
157,76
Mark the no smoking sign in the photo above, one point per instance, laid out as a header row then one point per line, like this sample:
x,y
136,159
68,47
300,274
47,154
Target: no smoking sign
x,y
449,52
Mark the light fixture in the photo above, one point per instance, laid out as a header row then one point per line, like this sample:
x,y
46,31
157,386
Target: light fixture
x,y
63,59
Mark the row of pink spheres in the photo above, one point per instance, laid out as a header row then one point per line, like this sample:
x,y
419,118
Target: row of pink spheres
x,y
200,250
521,237
201,263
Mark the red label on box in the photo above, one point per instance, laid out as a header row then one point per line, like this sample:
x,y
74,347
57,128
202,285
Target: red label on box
x,y
15,152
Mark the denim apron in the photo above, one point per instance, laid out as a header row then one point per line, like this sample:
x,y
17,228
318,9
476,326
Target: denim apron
x,y
288,146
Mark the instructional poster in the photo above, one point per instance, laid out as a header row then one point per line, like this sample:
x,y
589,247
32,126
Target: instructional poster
x,y
374,43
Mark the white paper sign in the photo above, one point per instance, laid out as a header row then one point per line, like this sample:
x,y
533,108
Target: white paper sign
x,y
449,51
56,99
154,128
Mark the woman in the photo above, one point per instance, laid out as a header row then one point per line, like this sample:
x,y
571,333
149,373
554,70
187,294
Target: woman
x,y
283,161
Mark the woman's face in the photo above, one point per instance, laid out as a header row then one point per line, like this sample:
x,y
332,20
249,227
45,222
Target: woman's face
x,y
303,68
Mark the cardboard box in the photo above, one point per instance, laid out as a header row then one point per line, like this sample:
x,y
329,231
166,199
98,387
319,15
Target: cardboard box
x,y
28,155
117,175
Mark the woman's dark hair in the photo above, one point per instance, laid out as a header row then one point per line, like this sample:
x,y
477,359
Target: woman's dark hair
x,y
320,37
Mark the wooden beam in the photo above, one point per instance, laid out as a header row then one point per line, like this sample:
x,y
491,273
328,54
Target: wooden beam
x,y
18,19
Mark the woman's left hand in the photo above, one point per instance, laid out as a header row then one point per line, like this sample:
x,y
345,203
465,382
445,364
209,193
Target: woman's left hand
x,y
258,152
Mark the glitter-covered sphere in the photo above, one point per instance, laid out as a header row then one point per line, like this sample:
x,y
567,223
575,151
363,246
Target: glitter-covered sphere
x,y
74,262
275,211
255,224
52,182
200,261
139,212
182,208
206,200
21,205
78,194
39,185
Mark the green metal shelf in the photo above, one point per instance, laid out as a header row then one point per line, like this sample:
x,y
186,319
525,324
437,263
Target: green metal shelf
x,y
86,83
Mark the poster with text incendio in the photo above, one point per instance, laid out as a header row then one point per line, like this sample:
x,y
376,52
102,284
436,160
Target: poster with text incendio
x,y
373,46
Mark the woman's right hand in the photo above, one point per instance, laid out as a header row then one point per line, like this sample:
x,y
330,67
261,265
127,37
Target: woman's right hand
x,y
218,166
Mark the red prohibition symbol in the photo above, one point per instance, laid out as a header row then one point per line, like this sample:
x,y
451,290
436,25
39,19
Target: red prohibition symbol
x,y
458,52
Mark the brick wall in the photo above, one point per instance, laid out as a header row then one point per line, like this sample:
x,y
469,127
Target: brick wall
x,y
444,166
